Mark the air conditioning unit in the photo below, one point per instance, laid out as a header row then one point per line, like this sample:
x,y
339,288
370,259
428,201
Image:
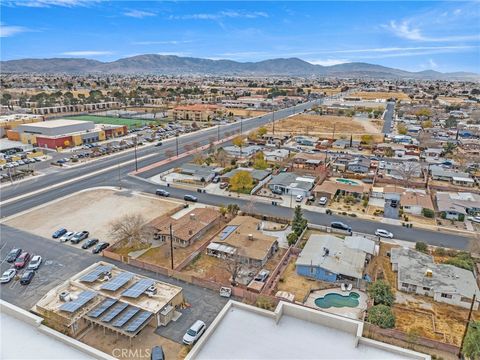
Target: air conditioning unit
x,y
64,296
152,290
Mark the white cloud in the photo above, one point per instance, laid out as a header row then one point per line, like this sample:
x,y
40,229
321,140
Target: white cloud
x,y
432,64
328,62
162,42
400,49
49,3
86,53
138,14
221,15
11,30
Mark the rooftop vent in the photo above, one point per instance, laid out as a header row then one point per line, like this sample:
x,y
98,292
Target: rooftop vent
x,y
192,217
250,237
429,273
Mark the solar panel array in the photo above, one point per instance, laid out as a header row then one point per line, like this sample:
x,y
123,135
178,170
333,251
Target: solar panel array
x,y
135,324
138,288
117,282
117,309
79,302
127,315
100,309
95,274
227,231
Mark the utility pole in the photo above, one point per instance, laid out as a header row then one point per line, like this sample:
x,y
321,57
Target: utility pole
x,y
466,326
218,132
176,142
241,126
171,245
136,160
273,120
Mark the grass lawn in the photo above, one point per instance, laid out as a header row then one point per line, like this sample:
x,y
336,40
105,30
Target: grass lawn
x,y
131,123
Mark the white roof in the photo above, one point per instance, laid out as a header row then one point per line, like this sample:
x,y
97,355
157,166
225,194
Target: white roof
x,y
221,248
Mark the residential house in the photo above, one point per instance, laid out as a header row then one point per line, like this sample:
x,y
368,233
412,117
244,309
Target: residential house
x,y
308,161
345,144
305,141
360,165
414,201
257,175
457,205
186,229
276,155
455,177
289,183
242,152
329,258
198,173
418,273
243,239
330,189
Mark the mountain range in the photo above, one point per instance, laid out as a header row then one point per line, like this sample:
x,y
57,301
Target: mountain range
x,y
176,65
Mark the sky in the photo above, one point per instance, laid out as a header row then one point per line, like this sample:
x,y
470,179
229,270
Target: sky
x,y
409,35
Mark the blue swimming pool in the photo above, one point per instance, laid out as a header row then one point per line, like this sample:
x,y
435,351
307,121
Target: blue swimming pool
x,y
338,300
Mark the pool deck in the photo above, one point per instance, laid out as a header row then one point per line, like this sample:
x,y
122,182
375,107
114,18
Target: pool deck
x,y
352,313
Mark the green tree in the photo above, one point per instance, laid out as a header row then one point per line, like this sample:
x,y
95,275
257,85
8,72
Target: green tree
x,y
292,238
421,246
451,122
381,293
299,223
471,346
259,162
448,148
262,131
462,260
381,315
367,139
241,181
428,213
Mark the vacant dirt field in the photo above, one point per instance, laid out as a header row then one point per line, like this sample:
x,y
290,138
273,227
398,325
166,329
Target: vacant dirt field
x,y
246,113
366,95
209,268
323,126
92,210
326,91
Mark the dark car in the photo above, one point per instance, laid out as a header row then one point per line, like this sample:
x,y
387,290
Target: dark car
x,y
161,192
13,255
59,233
22,260
100,247
341,226
157,353
27,277
90,243
159,143
190,198
393,203
79,236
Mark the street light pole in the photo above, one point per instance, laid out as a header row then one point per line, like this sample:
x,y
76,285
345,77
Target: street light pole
x,y
176,142
241,126
136,163
273,120
218,132
171,246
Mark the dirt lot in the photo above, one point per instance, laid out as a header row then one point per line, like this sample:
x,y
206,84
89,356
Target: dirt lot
x,y
366,95
209,268
246,113
298,285
140,347
90,210
323,126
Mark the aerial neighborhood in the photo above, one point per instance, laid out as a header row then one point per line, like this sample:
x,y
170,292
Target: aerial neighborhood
x,y
172,207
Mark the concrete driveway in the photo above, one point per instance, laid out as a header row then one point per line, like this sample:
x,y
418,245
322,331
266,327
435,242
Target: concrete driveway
x,y
390,212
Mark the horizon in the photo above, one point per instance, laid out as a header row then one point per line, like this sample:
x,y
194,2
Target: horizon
x,y
412,36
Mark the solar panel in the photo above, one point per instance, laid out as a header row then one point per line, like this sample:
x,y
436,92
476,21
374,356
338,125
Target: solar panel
x,y
138,321
117,309
127,315
95,274
76,304
138,288
117,282
100,309
227,231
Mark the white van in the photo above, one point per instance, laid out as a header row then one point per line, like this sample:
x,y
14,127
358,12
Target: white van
x,y
194,333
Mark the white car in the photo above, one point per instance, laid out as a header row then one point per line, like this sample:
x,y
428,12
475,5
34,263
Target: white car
x,y
35,263
384,233
474,219
8,276
323,201
67,236
194,333
299,198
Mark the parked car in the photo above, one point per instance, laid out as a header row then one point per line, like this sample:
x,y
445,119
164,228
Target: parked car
x,y
194,333
157,353
223,185
323,201
340,225
13,255
22,260
161,192
190,198
100,247
89,243
299,198
67,236
384,233
262,275
474,218
79,236
216,180
27,277
35,263
59,232
7,276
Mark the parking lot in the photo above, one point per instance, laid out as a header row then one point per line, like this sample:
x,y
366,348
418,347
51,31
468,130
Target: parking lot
x,y
92,210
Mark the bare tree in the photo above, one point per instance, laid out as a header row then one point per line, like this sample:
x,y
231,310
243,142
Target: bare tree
x,y
407,170
234,266
132,229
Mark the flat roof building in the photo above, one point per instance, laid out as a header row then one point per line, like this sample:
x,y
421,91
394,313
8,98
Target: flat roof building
x,y
242,331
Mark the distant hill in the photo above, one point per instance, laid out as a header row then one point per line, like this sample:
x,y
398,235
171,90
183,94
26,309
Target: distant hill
x,y
175,65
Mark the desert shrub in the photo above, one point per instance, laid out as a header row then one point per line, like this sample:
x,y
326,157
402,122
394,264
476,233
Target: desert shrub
x,y
462,260
381,315
428,213
421,246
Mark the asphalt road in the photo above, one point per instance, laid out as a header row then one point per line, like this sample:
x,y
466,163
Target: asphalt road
x,y
388,118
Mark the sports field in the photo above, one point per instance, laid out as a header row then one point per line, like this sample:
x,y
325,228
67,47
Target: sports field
x,y
131,123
